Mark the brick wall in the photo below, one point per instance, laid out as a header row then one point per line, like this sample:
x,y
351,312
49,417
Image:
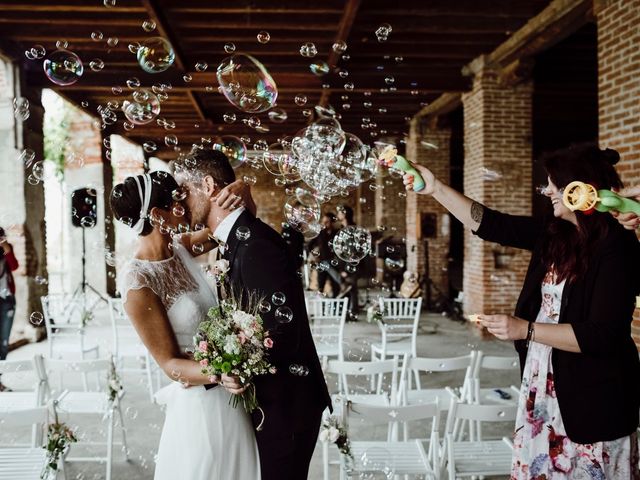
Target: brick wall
x,y
390,203
619,91
438,161
497,173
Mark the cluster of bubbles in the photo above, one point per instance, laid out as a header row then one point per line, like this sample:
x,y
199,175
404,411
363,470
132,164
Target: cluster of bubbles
x,y
142,108
63,67
246,83
351,244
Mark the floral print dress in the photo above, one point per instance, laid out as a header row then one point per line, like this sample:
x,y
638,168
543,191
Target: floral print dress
x,y
542,449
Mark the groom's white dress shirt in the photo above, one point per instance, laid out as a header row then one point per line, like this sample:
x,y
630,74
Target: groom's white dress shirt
x,y
223,229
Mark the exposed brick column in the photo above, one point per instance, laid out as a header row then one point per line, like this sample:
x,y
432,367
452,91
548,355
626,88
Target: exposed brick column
x,y
438,162
619,90
22,203
390,202
497,137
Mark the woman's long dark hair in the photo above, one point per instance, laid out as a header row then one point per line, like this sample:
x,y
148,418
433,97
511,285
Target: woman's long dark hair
x,y
567,249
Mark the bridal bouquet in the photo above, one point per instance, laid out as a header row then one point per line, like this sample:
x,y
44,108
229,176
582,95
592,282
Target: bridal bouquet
x,y
234,342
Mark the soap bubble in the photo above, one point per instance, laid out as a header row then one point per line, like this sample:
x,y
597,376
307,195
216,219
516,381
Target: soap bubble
x,y
26,157
383,31
229,117
63,67
143,107
339,47
229,47
178,211
300,100
233,148
21,108
264,307
299,215
394,264
155,55
319,68
96,35
96,65
283,314
263,37
149,146
352,244
246,83
308,50
201,66
243,233
278,298
148,25
171,140
36,318
277,115
112,41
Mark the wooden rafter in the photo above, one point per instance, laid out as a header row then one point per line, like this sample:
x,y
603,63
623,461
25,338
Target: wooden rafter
x,y
344,28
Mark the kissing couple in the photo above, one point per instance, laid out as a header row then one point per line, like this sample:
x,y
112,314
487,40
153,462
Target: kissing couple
x,y
166,295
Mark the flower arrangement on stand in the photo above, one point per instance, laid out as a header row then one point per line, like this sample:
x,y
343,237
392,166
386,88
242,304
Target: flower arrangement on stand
x,y
333,431
59,440
233,342
114,384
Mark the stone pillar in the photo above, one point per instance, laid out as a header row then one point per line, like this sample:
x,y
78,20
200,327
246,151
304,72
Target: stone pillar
x,y
422,208
497,173
619,90
22,199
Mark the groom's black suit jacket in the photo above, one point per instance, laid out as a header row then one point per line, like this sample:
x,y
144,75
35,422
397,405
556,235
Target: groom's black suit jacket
x,y
262,263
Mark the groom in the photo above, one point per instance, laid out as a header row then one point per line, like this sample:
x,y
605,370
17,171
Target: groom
x,y
294,398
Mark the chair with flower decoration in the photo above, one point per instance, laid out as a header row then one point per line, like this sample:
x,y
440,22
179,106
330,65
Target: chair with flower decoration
x,y
102,404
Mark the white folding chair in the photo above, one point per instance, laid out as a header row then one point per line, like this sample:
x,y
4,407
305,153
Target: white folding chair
x,y
18,401
65,328
447,365
359,391
392,457
474,457
494,395
24,463
399,329
73,403
328,317
128,346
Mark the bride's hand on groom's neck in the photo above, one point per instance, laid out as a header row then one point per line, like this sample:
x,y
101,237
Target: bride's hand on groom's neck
x,y
234,195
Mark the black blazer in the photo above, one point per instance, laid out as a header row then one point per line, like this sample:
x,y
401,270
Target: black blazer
x,y
290,402
598,390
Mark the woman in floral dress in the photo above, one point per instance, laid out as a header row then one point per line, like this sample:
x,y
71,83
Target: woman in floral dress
x,y
578,411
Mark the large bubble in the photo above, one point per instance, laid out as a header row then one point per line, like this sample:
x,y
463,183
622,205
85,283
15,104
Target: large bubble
x,y
245,82
233,148
63,67
352,244
155,55
301,215
143,107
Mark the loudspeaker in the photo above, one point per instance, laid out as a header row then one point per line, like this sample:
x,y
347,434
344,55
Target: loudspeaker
x,y
84,207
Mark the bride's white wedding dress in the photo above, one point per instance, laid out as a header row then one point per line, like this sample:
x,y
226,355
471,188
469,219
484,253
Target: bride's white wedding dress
x,y
203,438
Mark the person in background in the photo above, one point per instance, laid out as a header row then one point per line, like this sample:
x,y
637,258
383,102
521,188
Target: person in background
x,y
321,253
630,221
295,244
345,217
8,264
580,394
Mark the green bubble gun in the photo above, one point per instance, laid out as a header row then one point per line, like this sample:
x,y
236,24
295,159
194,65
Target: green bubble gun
x,y
390,158
584,197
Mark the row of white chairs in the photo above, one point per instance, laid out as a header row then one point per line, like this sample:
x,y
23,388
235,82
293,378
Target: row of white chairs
x,y
71,404
428,454
67,337
399,392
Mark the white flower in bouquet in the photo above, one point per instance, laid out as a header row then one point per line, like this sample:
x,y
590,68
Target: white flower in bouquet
x,y
232,345
243,319
333,434
220,267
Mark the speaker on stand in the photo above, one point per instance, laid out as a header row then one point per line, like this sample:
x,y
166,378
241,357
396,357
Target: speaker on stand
x,y
84,215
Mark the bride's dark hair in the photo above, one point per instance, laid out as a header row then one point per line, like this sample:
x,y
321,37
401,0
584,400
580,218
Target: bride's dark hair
x,y
126,203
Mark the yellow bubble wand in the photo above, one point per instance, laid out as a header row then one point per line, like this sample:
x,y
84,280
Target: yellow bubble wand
x,y
584,197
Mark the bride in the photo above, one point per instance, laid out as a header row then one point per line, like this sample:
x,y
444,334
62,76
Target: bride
x,y
166,296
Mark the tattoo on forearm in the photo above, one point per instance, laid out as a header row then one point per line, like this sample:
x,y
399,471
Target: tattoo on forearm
x,y
477,211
